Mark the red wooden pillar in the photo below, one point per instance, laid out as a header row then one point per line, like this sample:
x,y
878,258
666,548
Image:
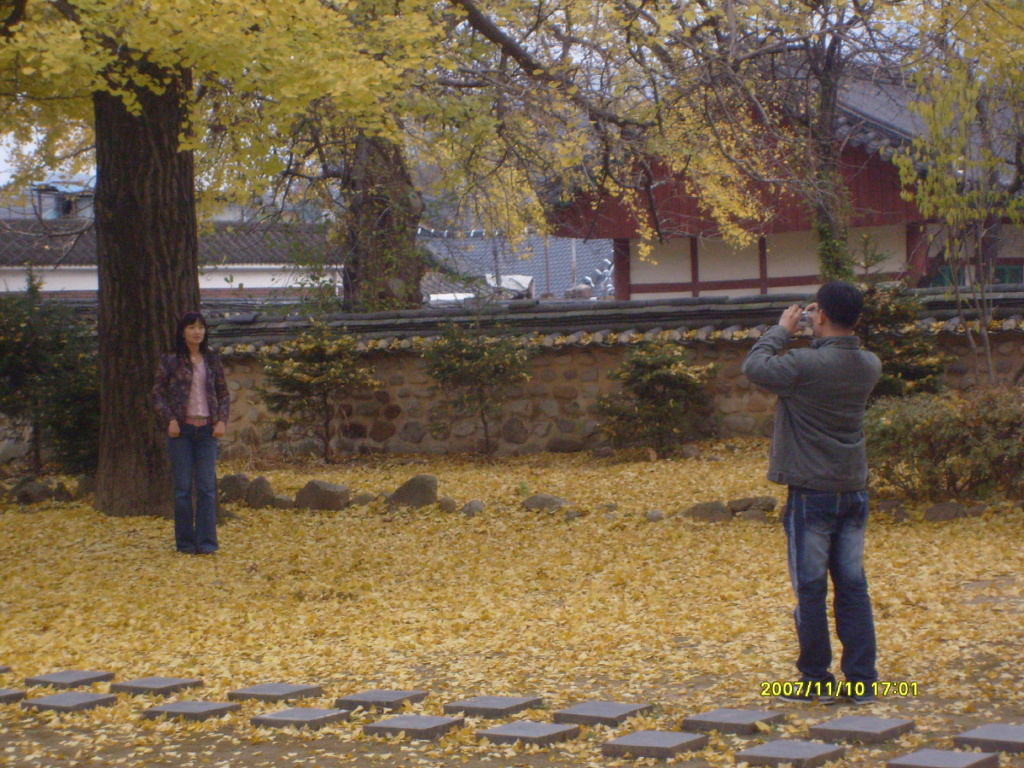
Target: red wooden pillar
x,y
623,281
694,265
762,263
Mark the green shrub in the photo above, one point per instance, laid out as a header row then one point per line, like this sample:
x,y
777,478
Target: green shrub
x,y
943,446
911,361
311,377
477,372
664,402
48,378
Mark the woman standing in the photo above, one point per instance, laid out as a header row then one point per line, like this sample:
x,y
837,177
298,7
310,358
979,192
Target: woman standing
x,y
191,396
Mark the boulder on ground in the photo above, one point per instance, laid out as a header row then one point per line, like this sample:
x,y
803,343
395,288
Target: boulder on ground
x,y
544,502
654,515
233,487
259,494
944,511
418,491
363,498
31,490
447,504
319,494
472,508
709,511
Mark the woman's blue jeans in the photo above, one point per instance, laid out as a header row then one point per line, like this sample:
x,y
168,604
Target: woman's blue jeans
x,y
825,535
194,462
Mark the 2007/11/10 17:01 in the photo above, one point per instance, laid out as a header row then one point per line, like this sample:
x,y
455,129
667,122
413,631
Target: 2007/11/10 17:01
x,y
831,688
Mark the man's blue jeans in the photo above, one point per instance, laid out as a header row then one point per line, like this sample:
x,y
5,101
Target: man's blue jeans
x,y
194,461
825,534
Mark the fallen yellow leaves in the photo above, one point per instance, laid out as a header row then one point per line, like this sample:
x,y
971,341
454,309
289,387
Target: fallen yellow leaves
x,y
690,616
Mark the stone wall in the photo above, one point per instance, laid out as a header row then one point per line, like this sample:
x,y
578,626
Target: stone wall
x,y
555,411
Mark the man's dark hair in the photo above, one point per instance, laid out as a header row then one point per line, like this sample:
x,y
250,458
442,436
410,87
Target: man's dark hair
x,y
841,302
179,337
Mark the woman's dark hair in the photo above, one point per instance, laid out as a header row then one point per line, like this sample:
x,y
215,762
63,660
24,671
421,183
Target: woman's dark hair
x,y
841,302
179,335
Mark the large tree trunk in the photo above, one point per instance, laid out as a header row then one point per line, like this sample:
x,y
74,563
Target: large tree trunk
x,y
147,251
383,267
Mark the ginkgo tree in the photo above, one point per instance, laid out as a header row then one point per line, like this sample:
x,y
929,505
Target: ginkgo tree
x,y
149,85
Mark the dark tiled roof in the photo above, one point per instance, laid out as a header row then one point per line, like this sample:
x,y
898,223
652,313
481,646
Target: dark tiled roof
x,y
582,323
548,260
72,242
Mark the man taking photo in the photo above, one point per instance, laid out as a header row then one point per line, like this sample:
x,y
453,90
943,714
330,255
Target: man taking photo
x,y
818,450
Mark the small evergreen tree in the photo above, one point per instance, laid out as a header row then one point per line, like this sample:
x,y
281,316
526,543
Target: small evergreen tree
x,y
664,402
48,377
477,372
308,382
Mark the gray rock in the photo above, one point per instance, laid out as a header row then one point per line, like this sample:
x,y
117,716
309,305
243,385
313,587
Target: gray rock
x,y
32,492
85,487
946,510
572,514
283,502
565,445
259,494
604,452
893,509
12,449
472,508
233,487
419,491
688,451
319,494
61,493
363,498
762,503
447,504
515,432
654,515
543,502
709,511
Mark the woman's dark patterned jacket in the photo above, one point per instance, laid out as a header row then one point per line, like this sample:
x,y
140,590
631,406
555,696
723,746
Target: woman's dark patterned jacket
x,y
174,381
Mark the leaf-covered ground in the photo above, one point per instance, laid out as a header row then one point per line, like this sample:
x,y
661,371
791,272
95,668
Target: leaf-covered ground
x,y
690,616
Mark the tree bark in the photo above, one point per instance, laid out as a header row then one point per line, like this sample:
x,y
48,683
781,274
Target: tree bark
x,y
147,252
383,269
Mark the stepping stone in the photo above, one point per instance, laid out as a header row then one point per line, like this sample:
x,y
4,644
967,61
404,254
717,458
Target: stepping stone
x,y
300,717
731,720
276,692
529,732
192,710
657,744
4,669
426,727
11,695
70,702
492,706
382,698
70,678
600,713
800,754
993,737
863,728
945,758
161,686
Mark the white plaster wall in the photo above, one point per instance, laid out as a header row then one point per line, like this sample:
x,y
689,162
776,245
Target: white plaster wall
x,y
239,276
12,279
889,241
668,262
792,254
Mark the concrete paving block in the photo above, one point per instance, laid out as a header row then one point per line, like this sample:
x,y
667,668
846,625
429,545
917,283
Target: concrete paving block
x,y
600,713
70,702
381,698
862,728
160,686
799,754
70,678
993,737
11,695
660,745
276,692
945,758
300,717
529,732
192,710
727,720
492,706
422,727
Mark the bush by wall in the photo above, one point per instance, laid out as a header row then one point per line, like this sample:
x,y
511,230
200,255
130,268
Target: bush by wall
x,y
949,445
665,400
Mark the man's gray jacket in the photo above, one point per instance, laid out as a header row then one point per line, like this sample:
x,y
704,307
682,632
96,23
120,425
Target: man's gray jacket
x,y
823,391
